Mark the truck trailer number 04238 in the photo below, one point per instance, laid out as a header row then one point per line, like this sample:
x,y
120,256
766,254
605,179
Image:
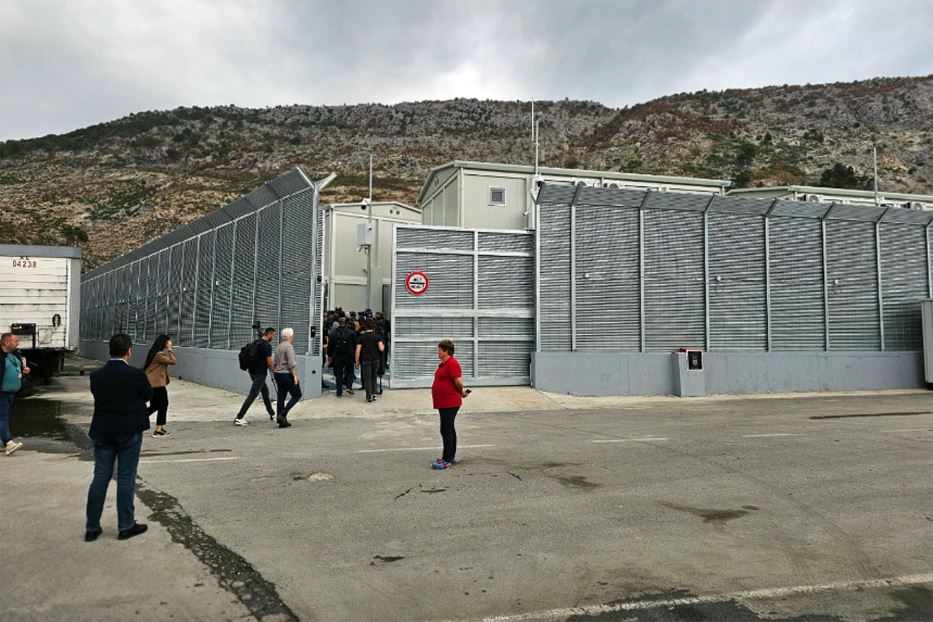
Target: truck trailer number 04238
x,y
25,262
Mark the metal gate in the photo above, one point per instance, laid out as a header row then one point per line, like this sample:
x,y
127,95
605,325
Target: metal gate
x,y
474,287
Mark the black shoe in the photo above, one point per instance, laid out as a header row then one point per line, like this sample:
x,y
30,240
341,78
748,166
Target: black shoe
x,y
135,530
284,424
90,536
271,416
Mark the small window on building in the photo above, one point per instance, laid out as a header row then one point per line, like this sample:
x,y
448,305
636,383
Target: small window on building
x,y
496,195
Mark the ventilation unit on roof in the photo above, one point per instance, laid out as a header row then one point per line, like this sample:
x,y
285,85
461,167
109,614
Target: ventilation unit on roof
x,y
914,205
581,183
812,198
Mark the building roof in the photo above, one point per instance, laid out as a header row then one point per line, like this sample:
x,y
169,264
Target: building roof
x,y
528,169
16,250
842,192
375,204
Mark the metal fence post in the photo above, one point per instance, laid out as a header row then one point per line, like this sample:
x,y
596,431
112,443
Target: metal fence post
x,y
767,226
878,267
573,278
255,264
281,254
706,321
168,289
210,304
826,343
929,267
146,310
537,217
181,287
641,268
197,286
236,224
475,304
312,310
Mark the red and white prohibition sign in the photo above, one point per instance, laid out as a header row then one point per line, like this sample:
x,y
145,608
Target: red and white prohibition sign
x,y
416,283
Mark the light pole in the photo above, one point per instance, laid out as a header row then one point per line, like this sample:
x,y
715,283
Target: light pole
x,y
370,237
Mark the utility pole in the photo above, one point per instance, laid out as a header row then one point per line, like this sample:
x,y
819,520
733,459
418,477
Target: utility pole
x,y
874,161
369,248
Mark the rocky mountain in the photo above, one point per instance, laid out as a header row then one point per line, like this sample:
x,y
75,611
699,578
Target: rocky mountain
x,y
110,187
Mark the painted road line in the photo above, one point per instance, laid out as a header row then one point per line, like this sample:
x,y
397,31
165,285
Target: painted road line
x,y
432,448
191,460
770,435
632,440
762,594
906,430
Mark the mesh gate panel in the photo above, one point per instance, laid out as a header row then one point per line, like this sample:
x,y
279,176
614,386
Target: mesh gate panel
x,y
244,266
738,313
188,278
267,277
797,318
204,290
674,292
296,267
903,283
853,286
220,313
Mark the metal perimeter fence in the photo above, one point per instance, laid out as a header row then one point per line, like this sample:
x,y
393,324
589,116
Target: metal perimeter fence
x,y
258,258
630,270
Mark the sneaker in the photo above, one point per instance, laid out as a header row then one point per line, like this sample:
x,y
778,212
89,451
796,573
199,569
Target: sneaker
x,y
240,421
12,446
135,530
349,391
339,395
284,423
441,465
271,416
158,433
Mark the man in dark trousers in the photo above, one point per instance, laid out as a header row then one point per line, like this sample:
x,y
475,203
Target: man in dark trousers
x,y
120,417
368,351
260,364
341,346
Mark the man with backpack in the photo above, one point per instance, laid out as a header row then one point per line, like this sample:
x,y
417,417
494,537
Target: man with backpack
x,y
341,347
256,358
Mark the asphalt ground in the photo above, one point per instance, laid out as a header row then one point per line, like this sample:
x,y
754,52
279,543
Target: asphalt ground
x,y
796,508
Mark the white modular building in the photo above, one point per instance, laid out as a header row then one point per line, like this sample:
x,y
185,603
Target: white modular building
x,y
816,194
346,264
491,195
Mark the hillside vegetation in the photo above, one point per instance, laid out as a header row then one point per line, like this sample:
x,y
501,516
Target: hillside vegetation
x,y
110,187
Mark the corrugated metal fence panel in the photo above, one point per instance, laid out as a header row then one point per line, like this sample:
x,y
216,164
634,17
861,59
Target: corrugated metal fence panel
x,y
505,242
220,313
450,280
554,277
434,328
297,267
607,278
674,292
903,284
243,274
738,315
505,359
435,239
853,286
797,318
507,327
202,311
267,278
503,282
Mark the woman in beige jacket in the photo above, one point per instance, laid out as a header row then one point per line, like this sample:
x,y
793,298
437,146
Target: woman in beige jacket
x,y
160,356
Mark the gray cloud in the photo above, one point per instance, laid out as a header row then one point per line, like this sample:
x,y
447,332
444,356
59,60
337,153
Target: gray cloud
x,y
68,65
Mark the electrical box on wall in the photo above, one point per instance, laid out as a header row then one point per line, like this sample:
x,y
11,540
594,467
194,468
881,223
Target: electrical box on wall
x,y
365,234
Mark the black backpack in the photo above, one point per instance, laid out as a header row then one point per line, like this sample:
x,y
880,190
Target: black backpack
x,y
248,355
343,342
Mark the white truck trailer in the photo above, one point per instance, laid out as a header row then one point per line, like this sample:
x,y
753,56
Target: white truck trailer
x,y
40,289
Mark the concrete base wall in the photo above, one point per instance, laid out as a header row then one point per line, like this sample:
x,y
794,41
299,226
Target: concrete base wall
x,y
213,368
651,373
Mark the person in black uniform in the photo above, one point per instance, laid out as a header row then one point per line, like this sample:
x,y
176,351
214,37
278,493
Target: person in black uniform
x,y
368,351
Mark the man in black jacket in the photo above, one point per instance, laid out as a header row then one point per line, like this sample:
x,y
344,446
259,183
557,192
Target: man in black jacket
x,y
120,417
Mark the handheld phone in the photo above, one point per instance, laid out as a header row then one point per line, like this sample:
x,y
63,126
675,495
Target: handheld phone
x,y
468,391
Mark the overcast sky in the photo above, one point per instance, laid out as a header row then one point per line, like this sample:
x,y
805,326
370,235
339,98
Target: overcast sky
x,y
67,64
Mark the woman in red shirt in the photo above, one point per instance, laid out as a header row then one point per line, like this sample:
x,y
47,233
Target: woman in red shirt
x,y
448,394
